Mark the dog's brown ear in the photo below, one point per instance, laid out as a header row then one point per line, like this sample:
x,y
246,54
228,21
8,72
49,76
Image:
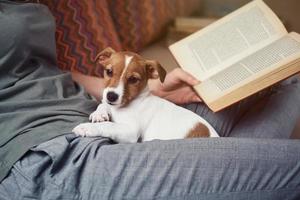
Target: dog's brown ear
x,y
155,70
104,55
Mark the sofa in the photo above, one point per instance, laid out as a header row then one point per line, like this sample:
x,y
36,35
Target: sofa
x,y
84,28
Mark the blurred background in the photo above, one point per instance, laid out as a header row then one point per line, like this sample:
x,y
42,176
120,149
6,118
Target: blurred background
x,y
287,10
211,10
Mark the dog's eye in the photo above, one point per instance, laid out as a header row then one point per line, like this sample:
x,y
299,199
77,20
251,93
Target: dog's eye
x,y
132,80
109,72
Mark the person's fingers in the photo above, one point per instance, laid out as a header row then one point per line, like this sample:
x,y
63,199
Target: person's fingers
x,y
178,78
191,97
155,86
185,77
182,96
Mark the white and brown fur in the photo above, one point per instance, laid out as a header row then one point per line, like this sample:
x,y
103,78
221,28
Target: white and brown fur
x,y
129,112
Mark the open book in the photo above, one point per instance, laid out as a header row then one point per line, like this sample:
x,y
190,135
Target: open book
x,y
239,55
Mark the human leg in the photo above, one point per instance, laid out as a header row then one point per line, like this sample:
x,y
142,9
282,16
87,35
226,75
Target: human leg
x,y
223,121
276,117
282,103
220,168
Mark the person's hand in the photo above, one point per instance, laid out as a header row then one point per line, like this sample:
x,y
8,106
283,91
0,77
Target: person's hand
x,y
176,88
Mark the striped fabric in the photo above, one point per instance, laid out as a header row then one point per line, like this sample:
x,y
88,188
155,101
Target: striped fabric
x,y
83,29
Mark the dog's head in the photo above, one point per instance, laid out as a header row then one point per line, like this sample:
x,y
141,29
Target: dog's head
x,y
126,75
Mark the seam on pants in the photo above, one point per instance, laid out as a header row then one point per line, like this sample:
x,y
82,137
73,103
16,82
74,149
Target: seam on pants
x,y
29,180
76,196
42,186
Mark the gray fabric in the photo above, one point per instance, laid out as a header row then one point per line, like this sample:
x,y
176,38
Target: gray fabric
x,y
271,113
69,167
225,120
222,168
276,116
37,101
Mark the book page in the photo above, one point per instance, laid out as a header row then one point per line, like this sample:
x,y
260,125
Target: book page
x,y
264,61
223,43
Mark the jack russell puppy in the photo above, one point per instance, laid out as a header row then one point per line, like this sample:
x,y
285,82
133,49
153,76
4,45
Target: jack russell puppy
x,y
130,113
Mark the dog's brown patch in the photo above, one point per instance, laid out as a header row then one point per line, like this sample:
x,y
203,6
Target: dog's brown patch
x,y
116,64
199,130
140,68
136,70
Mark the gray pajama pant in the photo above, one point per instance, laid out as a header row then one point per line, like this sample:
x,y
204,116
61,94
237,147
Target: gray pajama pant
x,y
259,162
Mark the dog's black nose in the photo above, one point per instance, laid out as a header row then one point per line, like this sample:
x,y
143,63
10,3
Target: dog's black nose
x,y
112,97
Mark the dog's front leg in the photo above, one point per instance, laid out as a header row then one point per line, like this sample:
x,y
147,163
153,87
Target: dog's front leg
x,y
101,114
118,132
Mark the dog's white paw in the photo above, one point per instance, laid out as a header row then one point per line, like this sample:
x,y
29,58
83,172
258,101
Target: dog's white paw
x,y
99,116
85,130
